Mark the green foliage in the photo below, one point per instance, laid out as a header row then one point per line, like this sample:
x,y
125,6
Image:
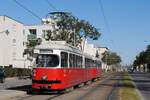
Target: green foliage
x,y
16,72
143,58
111,58
30,46
34,42
69,28
128,89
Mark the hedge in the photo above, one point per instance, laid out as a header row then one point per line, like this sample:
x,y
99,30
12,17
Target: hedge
x,y
16,72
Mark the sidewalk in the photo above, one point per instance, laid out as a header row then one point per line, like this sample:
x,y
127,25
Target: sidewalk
x,y
23,77
13,87
10,78
8,94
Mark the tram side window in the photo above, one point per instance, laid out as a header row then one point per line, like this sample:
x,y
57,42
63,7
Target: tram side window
x,y
74,61
79,61
86,62
99,64
64,59
71,60
94,64
91,63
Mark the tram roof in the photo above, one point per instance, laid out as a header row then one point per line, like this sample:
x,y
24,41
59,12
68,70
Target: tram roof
x,y
62,45
58,45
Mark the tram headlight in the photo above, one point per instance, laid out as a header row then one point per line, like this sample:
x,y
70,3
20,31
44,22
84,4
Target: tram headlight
x,y
44,77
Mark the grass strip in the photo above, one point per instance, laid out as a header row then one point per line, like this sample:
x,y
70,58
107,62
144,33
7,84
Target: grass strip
x,y
128,89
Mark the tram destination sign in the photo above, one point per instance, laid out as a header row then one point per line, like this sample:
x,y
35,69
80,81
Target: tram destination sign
x,y
46,51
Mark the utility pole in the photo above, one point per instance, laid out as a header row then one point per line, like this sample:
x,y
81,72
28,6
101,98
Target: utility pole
x,y
74,38
83,60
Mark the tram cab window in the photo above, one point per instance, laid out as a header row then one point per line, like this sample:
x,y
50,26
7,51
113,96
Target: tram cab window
x,y
64,59
47,60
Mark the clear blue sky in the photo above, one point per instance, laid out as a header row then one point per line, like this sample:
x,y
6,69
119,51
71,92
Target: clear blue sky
x,y
129,20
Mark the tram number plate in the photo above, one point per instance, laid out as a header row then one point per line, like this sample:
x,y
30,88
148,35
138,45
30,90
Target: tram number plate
x,y
44,87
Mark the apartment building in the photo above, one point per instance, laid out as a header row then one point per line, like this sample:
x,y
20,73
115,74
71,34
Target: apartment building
x,y
12,42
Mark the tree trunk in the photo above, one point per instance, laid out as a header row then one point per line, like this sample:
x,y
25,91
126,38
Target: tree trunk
x,y
148,67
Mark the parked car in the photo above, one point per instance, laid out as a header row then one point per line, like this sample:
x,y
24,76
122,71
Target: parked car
x,y
2,75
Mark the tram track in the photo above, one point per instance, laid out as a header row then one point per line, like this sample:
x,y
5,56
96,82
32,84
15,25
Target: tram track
x,y
94,88
98,87
112,95
103,79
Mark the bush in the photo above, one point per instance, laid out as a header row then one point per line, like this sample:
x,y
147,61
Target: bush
x,y
16,72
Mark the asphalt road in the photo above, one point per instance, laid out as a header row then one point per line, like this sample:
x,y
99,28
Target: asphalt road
x,y
142,81
103,89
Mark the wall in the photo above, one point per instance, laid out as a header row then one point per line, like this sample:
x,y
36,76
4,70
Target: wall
x,y
12,44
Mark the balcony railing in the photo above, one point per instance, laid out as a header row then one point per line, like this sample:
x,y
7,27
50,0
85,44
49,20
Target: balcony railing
x,y
31,37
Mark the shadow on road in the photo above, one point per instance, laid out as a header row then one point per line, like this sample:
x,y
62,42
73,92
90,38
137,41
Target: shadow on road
x,y
27,89
21,88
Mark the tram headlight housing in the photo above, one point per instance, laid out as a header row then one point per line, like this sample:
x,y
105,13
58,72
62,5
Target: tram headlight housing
x,y
33,73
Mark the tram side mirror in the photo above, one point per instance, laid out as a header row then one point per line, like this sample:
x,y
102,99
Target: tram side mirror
x,y
37,60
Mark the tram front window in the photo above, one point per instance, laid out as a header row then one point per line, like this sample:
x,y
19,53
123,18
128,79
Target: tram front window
x,y
47,60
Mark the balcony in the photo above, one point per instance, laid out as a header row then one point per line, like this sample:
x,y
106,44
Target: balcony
x,y
31,37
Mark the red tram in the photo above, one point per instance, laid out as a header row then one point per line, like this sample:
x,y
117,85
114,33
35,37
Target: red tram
x,y
60,66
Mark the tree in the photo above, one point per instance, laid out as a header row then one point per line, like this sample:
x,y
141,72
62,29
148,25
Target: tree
x,y
111,58
143,58
70,29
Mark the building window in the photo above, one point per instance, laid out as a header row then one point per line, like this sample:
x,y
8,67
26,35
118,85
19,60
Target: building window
x,y
32,35
14,40
32,31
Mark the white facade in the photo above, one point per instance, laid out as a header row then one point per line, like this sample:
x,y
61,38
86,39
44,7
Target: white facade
x,y
12,45
40,29
88,48
13,39
101,50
